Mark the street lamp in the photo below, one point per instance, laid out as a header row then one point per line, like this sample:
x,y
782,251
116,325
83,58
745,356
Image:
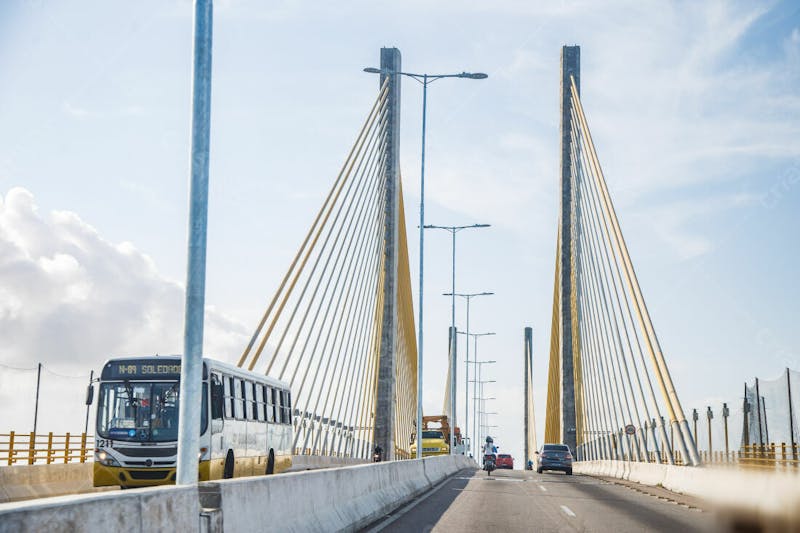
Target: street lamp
x,y
424,79
474,387
481,398
453,230
468,297
475,397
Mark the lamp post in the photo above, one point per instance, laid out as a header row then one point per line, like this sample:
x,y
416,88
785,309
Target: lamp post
x,y
485,414
424,79
453,230
467,297
481,398
474,386
475,397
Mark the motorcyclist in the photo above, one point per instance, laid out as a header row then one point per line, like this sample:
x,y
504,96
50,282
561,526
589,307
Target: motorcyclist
x,y
377,456
489,450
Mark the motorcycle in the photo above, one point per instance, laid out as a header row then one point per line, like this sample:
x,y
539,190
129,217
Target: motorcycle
x,y
488,464
377,457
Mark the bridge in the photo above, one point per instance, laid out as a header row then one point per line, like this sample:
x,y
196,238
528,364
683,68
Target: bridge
x,y
340,329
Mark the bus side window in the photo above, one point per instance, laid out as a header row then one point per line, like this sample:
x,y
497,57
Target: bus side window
x,y
217,397
238,404
248,400
228,382
285,415
259,402
271,407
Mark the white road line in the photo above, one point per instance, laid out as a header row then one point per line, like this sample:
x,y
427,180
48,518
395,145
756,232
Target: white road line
x,y
542,488
567,511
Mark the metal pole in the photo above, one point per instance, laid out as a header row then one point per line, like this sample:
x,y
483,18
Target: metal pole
x,y
746,420
36,406
421,266
475,398
453,359
466,359
725,414
86,425
192,359
758,409
791,414
466,363
709,415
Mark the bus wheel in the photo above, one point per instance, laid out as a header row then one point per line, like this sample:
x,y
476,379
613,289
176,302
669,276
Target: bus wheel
x,y
228,472
271,463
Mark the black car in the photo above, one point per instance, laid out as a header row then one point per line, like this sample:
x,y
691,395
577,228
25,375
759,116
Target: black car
x,y
554,457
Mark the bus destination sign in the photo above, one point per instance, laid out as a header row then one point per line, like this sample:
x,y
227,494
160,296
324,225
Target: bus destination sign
x,y
142,369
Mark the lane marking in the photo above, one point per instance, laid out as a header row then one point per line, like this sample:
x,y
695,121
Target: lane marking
x,y
542,488
567,511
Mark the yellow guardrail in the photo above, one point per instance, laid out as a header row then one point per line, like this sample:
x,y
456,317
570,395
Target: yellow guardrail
x,y
47,448
766,456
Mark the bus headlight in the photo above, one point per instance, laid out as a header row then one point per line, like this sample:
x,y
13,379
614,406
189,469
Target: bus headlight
x,y
105,459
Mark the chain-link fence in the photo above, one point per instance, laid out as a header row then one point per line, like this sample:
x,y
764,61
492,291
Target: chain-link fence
x,y
760,430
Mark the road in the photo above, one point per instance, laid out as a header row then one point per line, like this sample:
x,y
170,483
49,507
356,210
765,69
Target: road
x,y
515,500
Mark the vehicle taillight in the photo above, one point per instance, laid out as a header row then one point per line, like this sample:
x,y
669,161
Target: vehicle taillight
x,y
568,456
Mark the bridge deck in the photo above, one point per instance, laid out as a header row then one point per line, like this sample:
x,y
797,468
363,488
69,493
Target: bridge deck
x,y
526,501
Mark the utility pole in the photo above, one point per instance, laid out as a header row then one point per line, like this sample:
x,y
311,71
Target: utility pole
x,y
36,406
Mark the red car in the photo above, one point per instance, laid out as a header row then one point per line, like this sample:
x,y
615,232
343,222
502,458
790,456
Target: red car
x,y
505,461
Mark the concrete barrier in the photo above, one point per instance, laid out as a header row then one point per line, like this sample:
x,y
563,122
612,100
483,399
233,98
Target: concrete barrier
x,y
332,499
757,495
313,462
25,482
337,499
141,510
28,482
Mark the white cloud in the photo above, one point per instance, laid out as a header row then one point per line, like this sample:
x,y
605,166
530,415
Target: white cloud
x,y
70,299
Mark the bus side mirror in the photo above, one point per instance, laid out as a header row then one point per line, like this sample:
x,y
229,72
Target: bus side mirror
x,y
89,394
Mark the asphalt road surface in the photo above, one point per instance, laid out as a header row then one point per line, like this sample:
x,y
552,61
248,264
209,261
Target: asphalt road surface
x,y
515,500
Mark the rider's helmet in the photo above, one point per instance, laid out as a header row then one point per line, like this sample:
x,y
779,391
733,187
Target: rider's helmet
x,y
489,440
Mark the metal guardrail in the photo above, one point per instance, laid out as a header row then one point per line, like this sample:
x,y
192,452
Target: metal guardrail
x,y
773,456
52,448
46,448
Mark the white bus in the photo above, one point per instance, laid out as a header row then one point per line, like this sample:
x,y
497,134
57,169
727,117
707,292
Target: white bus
x,y
248,432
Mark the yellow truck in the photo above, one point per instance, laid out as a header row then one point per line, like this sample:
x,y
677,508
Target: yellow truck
x,y
435,441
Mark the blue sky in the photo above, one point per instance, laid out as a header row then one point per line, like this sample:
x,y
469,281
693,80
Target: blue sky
x,y
694,107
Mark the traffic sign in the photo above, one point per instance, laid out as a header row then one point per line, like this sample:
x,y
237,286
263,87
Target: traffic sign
x,y
630,429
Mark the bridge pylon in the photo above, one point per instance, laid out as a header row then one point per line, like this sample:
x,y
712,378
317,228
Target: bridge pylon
x,y
385,409
605,358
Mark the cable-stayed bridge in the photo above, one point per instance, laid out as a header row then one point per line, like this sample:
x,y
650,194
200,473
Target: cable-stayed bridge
x,y
340,331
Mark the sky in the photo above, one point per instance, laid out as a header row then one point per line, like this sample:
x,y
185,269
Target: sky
x,y
694,108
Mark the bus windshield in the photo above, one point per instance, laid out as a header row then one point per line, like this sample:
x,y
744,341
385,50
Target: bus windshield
x,y
141,411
